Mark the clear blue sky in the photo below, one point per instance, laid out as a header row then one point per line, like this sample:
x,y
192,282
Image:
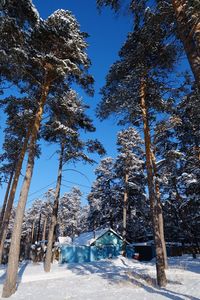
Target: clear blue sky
x,y
107,33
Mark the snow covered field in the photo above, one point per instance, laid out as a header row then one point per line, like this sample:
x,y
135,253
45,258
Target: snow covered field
x,y
117,279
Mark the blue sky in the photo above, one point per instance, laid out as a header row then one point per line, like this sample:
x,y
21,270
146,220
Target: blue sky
x,y
107,33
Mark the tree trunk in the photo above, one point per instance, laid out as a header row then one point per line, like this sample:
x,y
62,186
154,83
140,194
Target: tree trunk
x,y
38,231
27,247
33,233
44,229
125,216
47,263
191,40
111,214
161,277
11,275
10,201
160,211
6,198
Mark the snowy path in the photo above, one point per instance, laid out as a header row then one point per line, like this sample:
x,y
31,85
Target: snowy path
x,y
117,279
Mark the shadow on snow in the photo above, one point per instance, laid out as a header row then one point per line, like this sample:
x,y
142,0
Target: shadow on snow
x,y
125,274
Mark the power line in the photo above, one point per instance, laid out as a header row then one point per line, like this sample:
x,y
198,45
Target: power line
x,y
77,183
68,186
55,182
29,201
78,172
42,188
84,193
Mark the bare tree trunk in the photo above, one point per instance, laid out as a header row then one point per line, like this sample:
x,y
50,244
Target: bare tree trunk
x,y
27,247
33,233
38,231
10,201
161,277
44,229
47,263
111,215
11,276
190,37
125,216
160,211
6,198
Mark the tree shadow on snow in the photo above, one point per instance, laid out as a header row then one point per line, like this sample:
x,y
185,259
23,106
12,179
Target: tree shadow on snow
x,y
21,270
192,266
123,275
151,287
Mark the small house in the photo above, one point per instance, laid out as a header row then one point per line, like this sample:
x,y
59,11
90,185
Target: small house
x,y
145,250
92,246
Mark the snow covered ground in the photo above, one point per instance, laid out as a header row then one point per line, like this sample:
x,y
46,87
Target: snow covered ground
x,y
117,279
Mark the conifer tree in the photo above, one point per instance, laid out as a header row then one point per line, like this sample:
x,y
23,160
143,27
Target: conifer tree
x,y
19,115
177,143
187,133
134,88
63,128
102,198
187,14
183,13
55,55
84,218
129,168
70,212
106,199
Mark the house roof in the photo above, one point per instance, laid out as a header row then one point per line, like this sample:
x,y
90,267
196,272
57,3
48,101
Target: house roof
x,y
65,240
88,238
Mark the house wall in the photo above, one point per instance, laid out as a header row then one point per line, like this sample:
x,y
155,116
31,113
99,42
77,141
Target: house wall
x,y
80,254
109,238
107,246
74,254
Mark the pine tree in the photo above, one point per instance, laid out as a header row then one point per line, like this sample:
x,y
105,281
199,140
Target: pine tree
x,y
56,49
102,198
69,213
188,26
19,115
134,88
15,29
106,198
187,132
62,128
129,169
177,143
84,219
183,13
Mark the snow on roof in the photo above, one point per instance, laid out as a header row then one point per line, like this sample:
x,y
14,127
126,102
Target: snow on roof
x,y
87,238
65,240
173,243
149,243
